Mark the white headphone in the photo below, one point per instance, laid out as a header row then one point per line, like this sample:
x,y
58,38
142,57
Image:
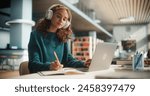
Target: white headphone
x,y
49,15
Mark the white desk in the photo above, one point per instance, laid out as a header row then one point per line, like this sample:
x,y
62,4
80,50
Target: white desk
x,y
86,75
124,74
111,73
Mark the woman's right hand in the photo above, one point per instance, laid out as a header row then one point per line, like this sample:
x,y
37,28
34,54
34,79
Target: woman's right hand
x,y
55,65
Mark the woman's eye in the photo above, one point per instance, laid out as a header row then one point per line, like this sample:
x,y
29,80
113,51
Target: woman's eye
x,y
65,19
58,16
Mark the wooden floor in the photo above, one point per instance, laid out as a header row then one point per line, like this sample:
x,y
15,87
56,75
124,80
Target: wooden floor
x,y
6,74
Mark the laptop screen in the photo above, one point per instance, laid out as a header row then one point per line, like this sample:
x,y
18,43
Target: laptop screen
x,y
103,55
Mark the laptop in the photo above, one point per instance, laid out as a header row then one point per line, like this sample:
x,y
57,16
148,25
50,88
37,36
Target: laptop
x,y
103,56
101,60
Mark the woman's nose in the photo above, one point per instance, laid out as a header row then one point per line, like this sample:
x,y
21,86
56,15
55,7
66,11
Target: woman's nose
x,y
61,19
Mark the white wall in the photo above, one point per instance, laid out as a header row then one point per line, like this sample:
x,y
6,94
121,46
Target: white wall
x,y
148,28
4,39
135,32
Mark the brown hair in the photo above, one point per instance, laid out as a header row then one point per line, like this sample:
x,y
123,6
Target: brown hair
x,y
43,24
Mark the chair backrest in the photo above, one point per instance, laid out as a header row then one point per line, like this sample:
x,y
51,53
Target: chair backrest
x,y
23,68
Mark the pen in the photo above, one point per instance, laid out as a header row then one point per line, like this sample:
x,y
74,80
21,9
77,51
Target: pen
x,y
56,57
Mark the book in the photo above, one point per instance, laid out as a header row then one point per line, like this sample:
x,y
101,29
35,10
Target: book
x,y
63,71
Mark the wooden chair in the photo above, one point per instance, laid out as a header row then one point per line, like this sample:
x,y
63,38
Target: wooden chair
x,y
23,68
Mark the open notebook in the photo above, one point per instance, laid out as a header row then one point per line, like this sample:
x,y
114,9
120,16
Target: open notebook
x,y
101,60
64,71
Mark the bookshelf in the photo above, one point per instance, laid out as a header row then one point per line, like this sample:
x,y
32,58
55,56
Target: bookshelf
x,y
82,48
83,45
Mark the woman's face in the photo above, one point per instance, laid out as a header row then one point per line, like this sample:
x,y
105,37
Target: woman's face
x,y
59,18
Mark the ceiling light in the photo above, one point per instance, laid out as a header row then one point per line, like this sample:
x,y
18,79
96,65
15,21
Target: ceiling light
x,y
23,21
97,21
127,19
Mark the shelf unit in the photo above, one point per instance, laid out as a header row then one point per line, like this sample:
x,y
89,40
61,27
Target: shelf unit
x,y
82,48
84,20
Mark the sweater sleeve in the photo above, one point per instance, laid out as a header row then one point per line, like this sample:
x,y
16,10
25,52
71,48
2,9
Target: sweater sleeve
x,y
34,51
69,60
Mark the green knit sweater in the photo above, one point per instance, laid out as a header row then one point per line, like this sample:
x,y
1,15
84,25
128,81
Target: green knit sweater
x,y
41,52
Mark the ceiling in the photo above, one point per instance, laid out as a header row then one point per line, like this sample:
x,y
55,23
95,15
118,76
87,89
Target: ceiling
x,y
110,11
107,11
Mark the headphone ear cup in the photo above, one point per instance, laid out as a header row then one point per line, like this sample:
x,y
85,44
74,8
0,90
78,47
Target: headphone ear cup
x,y
49,14
66,24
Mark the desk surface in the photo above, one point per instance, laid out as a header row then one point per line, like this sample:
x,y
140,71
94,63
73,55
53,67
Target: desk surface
x,y
112,73
11,49
11,52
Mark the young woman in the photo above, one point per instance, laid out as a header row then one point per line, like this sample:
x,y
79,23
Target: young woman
x,y
48,47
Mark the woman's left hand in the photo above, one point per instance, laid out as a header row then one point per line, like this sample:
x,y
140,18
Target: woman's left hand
x,y
87,63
